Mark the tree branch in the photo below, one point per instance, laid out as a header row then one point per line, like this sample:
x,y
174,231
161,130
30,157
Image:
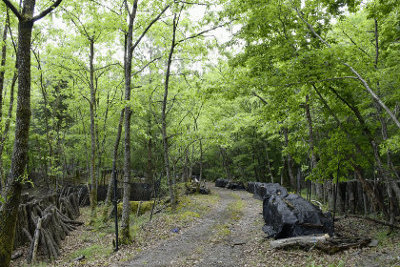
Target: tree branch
x,y
312,28
13,9
46,11
148,28
359,77
374,96
314,81
145,66
201,33
262,99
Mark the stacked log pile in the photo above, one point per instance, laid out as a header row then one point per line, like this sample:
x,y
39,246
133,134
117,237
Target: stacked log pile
x,y
44,222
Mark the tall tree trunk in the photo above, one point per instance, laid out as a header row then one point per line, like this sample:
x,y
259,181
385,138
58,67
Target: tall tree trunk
x,y
164,118
92,103
19,159
125,228
9,210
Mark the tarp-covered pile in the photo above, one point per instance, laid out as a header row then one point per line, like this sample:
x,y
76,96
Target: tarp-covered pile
x,y
233,185
289,215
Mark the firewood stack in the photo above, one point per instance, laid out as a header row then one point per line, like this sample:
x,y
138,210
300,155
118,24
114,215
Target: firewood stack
x,y
44,222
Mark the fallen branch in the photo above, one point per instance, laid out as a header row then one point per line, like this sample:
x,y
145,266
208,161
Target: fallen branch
x,y
300,241
324,243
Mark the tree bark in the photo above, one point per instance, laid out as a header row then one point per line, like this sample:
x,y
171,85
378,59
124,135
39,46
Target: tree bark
x,y
164,117
19,159
114,166
92,105
292,179
311,142
125,228
268,163
3,62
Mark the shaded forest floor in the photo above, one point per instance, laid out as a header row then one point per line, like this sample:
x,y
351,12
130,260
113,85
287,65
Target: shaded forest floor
x,y
221,229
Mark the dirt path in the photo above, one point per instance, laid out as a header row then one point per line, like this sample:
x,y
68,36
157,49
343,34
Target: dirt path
x,y
219,239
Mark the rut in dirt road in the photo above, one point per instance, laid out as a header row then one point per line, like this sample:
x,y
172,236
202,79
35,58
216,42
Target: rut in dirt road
x,y
218,239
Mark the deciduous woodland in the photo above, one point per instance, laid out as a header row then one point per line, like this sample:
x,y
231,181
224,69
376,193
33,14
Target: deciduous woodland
x,y
132,100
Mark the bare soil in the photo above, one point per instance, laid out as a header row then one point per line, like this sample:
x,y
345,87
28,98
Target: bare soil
x,y
217,239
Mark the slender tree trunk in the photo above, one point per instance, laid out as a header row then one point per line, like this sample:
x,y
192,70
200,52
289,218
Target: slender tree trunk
x,y
225,162
92,103
125,228
201,160
4,135
46,117
114,166
164,117
292,179
2,73
311,142
3,62
149,167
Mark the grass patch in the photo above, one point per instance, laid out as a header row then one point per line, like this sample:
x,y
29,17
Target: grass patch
x,y
222,231
235,209
93,252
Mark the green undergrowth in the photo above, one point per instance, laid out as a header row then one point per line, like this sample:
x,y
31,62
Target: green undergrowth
x,y
235,209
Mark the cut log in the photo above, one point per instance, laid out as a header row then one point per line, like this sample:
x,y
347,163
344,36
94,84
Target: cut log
x,y
298,241
35,242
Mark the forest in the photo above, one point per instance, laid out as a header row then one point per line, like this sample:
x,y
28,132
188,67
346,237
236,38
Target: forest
x,y
113,100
